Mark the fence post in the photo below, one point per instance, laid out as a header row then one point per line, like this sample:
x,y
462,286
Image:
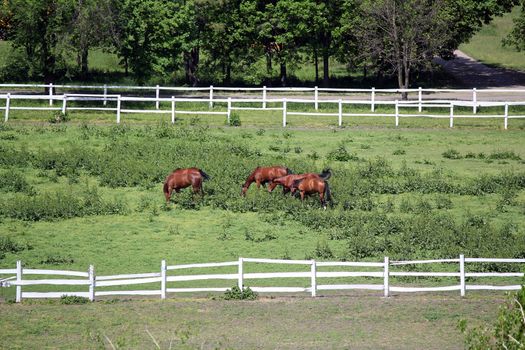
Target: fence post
x,y
474,101
314,278
451,124
420,99
462,274
264,97
172,109
211,96
386,273
7,106
163,279
229,109
64,102
340,112
397,113
316,98
118,109
373,100
284,112
105,94
240,282
506,115
91,276
50,94
157,95
19,272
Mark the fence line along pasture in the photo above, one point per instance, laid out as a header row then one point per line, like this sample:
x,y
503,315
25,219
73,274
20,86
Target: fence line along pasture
x,y
379,274
377,97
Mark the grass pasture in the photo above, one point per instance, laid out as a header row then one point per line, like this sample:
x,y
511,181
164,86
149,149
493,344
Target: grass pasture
x,y
76,194
486,46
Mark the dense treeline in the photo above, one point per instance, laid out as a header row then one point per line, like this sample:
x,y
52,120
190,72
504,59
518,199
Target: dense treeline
x,y
212,39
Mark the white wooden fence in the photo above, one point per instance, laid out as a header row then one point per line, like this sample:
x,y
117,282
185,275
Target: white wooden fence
x,y
379,272
377,97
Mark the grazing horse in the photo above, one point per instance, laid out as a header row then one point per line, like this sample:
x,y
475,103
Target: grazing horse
x,y
182,178
264,175
313,184
287,181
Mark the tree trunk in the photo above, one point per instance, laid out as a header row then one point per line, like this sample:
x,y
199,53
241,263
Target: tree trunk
x,y
84,62
228,72
316,61
268,64
326,71
192,63
283,74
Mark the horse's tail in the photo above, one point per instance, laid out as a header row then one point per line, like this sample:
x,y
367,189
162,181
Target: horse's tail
x,y
326,174
327,193
204,175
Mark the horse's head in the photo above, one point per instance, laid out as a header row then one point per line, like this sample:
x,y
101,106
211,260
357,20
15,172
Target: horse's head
x,y
326,174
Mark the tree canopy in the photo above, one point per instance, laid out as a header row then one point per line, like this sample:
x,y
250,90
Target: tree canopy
x,y
213,39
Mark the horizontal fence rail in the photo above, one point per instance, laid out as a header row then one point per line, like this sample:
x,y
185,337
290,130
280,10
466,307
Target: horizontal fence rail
x,y
379,274
471,98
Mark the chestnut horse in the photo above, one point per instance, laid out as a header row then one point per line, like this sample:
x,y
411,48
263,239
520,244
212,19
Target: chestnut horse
x,y
287,181
264,175
313,184
182,178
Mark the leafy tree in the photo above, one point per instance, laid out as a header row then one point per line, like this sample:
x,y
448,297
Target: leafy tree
x,y
284,27
516,38
5,19
38,27
402,36
143,28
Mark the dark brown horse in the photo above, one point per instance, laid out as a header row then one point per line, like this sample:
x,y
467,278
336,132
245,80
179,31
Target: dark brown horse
x,y
182,178
314,183
287,181
264,175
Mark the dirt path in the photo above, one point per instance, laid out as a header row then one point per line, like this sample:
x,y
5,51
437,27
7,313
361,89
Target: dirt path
x,y
472,73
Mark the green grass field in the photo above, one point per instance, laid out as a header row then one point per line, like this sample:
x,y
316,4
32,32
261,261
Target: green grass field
x,y
76,194
486,46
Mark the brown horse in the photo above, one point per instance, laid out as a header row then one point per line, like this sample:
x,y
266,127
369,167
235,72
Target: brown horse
x,y
314,183
287,182
264,175
182,178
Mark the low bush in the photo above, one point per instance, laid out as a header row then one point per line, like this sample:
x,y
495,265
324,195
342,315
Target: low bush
x,y
62,204
451,154
73,300
14,181
237,294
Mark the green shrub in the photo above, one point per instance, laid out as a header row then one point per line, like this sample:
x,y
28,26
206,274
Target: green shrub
x,y
237,294
341,155
504,155
59,117
451,154
7,245
398,152
73,300
13,181
507,331
235,119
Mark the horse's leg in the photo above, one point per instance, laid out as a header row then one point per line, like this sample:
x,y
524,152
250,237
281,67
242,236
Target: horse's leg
x,y
258,183
168,195
302,195
285,190
272,186
323,202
